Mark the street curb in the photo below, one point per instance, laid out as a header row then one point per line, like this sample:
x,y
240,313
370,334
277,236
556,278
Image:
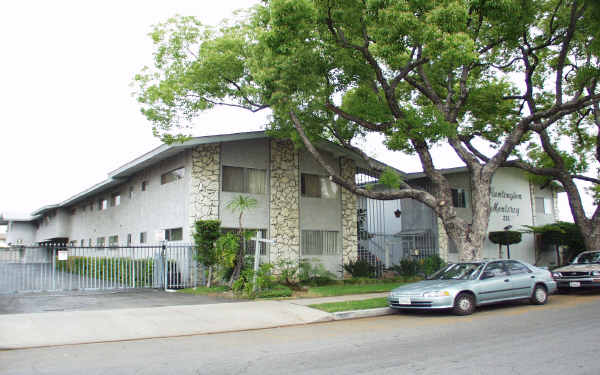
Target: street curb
x,y
367,313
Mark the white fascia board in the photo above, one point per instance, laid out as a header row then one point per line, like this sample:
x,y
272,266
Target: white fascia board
x,y
164,151
415,175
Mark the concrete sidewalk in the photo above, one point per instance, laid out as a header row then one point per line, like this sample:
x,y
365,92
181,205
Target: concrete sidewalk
x,y
19,331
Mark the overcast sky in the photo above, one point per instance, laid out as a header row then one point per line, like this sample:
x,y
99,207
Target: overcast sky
x,y
68,116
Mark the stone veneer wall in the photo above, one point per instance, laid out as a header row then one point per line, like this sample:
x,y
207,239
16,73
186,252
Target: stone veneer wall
x,y
349,214
284,202
204,188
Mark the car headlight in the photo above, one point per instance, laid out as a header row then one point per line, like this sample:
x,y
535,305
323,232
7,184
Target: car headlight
x,y
437,293
595,273
556,274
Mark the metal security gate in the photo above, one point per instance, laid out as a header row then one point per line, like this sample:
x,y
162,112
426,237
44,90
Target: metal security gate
x,y
63,268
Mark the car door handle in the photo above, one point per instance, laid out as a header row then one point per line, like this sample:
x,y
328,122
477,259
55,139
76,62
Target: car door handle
x,y
506,280
533,277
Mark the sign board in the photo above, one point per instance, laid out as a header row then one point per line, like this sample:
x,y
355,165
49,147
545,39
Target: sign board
x,y
63,254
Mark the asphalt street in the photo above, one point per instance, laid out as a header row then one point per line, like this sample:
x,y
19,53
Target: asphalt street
x,y
517,338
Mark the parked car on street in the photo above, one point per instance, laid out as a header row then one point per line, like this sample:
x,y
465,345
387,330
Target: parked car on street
x,y
583,272
462,287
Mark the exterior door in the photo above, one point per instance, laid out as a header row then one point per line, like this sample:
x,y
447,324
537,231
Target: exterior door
x,y
522,279
497,287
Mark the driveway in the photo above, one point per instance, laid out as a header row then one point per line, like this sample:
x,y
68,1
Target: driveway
x,y
40,276
100,300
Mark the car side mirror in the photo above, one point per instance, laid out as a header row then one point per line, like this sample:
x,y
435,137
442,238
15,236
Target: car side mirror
x,y
487,275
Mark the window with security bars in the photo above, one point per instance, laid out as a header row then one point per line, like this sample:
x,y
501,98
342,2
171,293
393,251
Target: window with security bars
x,y
459,198
250,243
318,242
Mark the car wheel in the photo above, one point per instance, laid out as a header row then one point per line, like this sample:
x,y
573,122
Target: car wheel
x,y
464,304
539,295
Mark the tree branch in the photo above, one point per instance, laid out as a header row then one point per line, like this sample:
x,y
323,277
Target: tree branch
x,y
420,195
357,120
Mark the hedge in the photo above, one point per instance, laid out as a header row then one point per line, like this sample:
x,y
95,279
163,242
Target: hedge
x,y
120,270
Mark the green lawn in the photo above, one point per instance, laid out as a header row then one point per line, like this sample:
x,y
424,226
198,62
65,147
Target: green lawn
x,y
352,305
202,290
342,290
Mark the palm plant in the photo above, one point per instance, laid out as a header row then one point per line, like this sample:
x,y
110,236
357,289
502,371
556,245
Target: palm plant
x,y
242,204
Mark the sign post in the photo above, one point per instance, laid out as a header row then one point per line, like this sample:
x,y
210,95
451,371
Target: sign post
x,y
257,240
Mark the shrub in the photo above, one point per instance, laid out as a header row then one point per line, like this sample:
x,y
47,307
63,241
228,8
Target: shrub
x,y
407,267
288,273
423,267
505,237
359,268
118,270
314,274
246,284
432,264
206,233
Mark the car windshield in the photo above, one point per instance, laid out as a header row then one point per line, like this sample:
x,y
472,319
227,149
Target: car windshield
x,y
587,258
458,271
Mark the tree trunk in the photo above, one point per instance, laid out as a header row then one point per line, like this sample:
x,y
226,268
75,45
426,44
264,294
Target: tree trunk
x,y
209,281
591,234
469,237
590,228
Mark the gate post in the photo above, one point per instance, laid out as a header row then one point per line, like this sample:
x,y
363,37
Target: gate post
x,y
53,268
165,268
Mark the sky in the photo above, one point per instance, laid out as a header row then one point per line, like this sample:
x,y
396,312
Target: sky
x,y
68,116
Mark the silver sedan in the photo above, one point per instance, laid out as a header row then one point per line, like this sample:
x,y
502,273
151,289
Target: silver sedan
x,y
463,286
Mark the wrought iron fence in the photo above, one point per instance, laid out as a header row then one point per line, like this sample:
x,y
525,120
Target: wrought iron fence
x,y
54,267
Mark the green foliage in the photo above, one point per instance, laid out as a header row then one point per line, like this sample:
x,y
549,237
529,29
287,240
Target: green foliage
x,y
505,237
420,73
288,271
407,267
314,273
202,290
560,234
277,291
359,268
206,234
249,282
413,267
431,264
341,289
371,303
227,246
117,270
242,203
390,179
361,280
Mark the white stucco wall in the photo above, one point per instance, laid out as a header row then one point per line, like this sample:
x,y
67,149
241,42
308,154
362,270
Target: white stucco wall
x,y
513,203
158,208
20,233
